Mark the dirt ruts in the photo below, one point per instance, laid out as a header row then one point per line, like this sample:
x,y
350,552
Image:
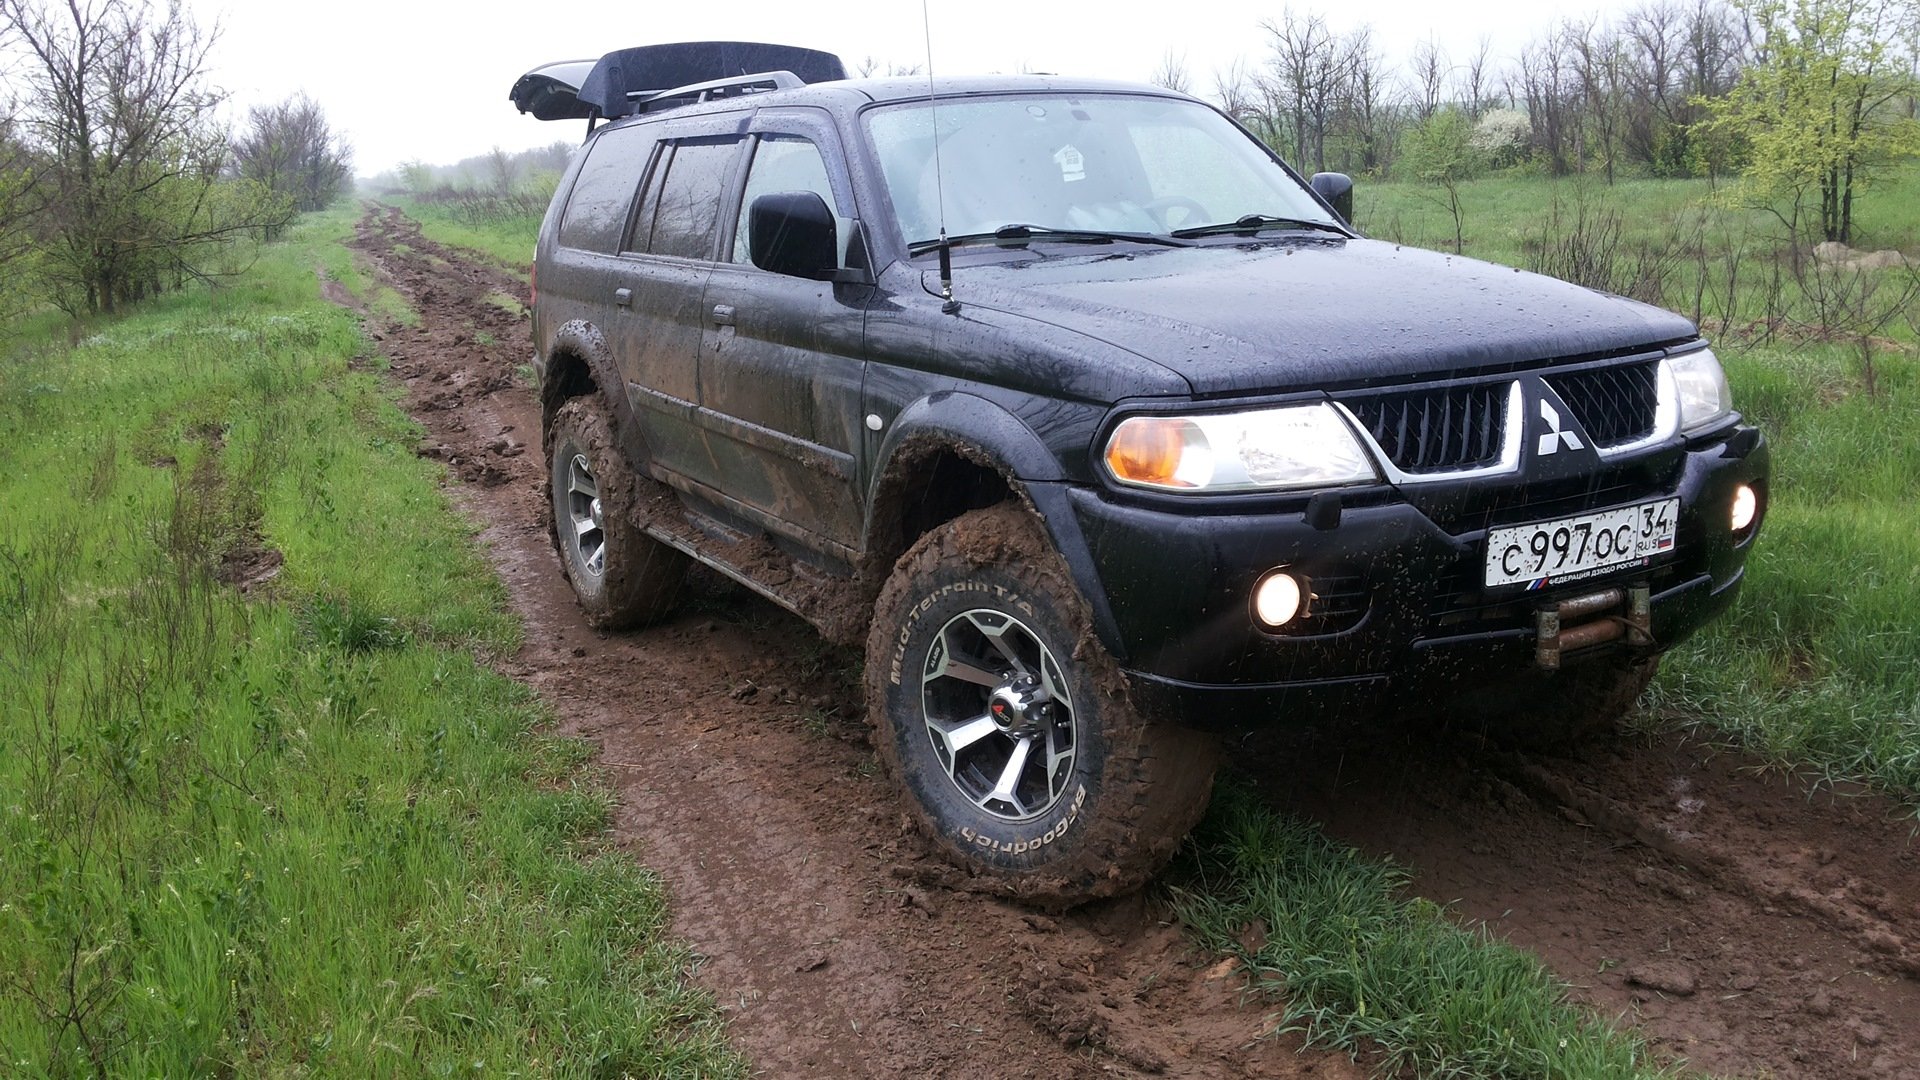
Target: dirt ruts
x,y
1739,918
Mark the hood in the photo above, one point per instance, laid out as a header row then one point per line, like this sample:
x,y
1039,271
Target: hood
x,y
1316,313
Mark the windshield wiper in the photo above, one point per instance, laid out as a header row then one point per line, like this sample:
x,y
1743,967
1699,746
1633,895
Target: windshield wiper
x,y
1020,235
1253,223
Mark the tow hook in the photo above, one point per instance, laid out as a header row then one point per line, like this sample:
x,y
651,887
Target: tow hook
x,y
1581,621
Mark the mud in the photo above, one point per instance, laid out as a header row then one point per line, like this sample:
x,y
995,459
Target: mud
x,y
1743,919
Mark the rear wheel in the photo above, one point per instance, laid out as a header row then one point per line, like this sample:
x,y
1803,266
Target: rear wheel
x,y
1009,726
622,576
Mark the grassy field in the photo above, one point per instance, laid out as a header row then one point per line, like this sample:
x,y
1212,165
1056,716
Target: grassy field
x,y
1819,666
264,810
503,236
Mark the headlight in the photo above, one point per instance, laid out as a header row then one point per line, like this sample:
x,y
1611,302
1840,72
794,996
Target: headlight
x,y
1705,399
1270,449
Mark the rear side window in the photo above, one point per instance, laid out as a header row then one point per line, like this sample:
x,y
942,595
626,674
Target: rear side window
x,y
597,209
688,206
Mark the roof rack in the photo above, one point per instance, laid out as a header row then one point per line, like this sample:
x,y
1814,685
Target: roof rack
x,y
715,89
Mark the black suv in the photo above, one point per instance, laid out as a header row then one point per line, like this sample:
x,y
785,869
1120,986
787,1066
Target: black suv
x,y
1100,425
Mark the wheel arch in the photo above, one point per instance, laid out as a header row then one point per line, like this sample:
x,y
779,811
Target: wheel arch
x,y
954,452
579,363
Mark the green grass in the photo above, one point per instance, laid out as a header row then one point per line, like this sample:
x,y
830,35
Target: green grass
x,y
1819,663
1350,963
303,830
505,238
1502,213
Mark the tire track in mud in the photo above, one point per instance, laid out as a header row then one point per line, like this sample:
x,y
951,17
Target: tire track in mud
x,y
1742,919
1738,919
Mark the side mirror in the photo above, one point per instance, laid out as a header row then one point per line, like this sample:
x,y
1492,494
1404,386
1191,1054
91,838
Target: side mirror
x,y
793,233
1337,189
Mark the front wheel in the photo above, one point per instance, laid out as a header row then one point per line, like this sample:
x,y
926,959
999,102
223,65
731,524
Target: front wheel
x,y
1009,725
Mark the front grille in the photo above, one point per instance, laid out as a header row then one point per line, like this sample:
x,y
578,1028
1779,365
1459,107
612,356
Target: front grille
x,y
1466,508
1442,430
1615,405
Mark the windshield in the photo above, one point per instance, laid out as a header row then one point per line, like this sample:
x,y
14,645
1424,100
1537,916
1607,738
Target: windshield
x,y
1110,163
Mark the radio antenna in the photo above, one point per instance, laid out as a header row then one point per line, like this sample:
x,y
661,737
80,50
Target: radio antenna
x,y
951,306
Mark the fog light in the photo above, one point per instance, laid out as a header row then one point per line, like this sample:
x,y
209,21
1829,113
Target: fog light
x,y
1745,505
1276,600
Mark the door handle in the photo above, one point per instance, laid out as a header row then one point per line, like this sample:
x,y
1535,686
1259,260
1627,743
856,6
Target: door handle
x,y
623,297
723,314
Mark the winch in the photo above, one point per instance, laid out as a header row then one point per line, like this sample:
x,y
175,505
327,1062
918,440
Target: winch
x,y
1593,619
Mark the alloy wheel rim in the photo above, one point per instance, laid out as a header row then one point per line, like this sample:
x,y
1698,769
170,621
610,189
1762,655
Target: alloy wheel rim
x,y
589,534
998,714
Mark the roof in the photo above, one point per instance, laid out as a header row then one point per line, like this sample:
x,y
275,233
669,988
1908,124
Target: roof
x,y
623,82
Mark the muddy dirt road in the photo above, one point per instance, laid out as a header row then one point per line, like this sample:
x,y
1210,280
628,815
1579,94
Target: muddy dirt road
x,y
1737,919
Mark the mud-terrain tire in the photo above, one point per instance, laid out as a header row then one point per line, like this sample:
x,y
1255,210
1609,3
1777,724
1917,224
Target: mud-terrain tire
x,y
622,576
1103,796
1566,709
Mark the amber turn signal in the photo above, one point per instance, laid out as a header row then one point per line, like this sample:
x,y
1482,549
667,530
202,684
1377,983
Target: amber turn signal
x,y
1152,450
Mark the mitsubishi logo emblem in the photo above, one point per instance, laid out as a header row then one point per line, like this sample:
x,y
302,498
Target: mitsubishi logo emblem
x,y
1554,438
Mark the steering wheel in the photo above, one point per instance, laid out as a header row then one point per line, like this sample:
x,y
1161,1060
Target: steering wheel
x,y
1159,208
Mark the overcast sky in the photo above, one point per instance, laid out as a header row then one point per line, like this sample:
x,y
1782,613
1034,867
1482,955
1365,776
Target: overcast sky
x,y
407,79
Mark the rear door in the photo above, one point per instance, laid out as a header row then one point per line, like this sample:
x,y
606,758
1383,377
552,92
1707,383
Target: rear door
x,y
780,362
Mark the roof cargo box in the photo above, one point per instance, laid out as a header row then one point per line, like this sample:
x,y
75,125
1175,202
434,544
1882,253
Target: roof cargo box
x,y
621,82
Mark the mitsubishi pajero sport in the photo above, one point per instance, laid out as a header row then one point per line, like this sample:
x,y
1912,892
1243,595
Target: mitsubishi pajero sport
x,y
1100,426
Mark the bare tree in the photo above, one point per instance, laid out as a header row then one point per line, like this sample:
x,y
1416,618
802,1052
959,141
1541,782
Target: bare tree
x,y
871,68
116,109
1310,71
19,176
290,148
1237,92
1171,73
1476,78
1600,62
1910,40
1365,113
1545,82
503,169
1653,37
1429,70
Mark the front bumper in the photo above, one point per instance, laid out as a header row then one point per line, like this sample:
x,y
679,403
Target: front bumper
x,y
1400,612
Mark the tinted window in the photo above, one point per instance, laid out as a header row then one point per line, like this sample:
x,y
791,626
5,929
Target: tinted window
x,y
786,163
689,203
597,208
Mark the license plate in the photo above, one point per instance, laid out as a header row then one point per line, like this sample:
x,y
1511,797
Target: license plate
x,y
1550,552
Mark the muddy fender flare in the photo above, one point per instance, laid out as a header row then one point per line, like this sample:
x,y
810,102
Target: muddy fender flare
x,y
988,435
583,339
